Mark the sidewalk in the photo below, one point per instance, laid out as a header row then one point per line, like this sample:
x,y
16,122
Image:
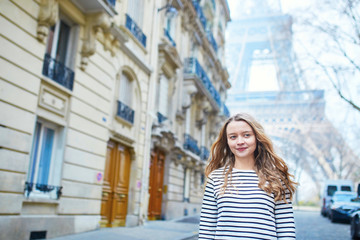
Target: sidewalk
x,y
185,228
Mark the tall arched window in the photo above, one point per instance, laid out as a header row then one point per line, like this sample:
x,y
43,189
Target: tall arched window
x,y
125,93
125,90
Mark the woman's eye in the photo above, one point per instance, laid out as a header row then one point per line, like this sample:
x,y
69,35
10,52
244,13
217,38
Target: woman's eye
x,y
247,135
232,137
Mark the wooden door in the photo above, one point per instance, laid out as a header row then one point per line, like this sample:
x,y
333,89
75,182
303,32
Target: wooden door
x,y
115,186
156,184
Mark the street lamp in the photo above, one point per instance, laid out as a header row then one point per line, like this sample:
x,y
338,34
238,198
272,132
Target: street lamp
x,y
171,11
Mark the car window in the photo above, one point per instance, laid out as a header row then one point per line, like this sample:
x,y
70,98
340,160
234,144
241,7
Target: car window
x,y
331,190
346,188
343,197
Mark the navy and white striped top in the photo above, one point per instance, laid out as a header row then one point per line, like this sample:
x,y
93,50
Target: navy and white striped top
x,y
244,211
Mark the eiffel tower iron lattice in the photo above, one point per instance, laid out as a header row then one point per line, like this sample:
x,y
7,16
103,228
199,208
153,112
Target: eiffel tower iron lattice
x,y
294,118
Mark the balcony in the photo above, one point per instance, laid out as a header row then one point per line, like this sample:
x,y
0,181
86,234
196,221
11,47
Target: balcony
x,y
212,41
93,6
58,72
192,66
191,144
204,153
135,30
29,187
167,34
125,112
200,13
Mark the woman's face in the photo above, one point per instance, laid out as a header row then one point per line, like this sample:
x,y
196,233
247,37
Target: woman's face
x,y
241,140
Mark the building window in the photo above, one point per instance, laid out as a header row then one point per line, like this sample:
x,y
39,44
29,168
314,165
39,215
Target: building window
x,y
187,179
136,11
163,95
45,163
170,29
60,52
125,110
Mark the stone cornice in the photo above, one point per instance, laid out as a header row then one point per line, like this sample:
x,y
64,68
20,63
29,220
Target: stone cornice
x,y
142,64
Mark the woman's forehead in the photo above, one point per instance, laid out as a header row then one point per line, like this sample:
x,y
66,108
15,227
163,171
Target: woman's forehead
x,y
238,126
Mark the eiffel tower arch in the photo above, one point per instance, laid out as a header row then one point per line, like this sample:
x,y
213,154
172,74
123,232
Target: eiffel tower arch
x,y
293,117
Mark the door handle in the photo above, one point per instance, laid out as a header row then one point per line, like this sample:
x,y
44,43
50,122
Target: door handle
x,y
105,194
121,195
160,190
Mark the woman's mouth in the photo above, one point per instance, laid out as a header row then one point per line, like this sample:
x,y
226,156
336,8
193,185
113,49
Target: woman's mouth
x,y
241,149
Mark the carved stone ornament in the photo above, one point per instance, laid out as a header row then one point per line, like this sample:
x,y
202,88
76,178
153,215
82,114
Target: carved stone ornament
x,y
189,92
97,28
48,16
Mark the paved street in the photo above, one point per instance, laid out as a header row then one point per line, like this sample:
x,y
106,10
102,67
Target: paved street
x,y
181,229
310,225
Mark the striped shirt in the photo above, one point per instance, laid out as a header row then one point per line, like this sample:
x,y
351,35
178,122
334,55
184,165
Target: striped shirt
x,y
244,211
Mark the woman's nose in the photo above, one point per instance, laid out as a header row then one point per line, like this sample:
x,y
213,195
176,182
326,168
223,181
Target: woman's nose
x,y
240,140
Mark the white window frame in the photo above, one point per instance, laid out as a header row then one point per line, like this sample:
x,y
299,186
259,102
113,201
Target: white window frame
x,y
55,160
125,90
72,41
187,178
136,12
163,103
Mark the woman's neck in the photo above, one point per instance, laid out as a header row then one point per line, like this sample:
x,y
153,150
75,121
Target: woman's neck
x,y
245,164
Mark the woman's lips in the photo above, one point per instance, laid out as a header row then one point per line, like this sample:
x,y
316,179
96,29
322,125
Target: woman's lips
x,y
241,149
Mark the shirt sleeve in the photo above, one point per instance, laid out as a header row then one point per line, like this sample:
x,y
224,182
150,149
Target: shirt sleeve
x,y
284,219
209,213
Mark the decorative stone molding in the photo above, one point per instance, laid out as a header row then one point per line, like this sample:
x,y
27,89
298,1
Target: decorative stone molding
x,y
169,59
205,107
98,27
53,100
163,140
189,91
48,16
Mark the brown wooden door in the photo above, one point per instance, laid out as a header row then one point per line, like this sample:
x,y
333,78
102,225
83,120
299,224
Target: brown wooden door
x,y
156,184
115,186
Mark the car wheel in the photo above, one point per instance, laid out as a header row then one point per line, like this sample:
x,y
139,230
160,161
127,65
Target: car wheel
x,y
332,218
354,227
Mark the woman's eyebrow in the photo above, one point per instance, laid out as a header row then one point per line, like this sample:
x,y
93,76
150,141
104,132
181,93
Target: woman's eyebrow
x,y
234,133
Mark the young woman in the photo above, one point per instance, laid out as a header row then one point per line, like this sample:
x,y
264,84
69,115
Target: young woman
x,y
248,191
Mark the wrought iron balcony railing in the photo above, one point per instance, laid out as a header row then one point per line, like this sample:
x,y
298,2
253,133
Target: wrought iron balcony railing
x,y
135,30
58,72
29,187
200,13
167,34
161,117
204,155
212,41
191,144
112,3
192,66
125,112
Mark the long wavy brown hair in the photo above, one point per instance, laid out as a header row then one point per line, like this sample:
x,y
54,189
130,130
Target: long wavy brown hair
x,y
274,176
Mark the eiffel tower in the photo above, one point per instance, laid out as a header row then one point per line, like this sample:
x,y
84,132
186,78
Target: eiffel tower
x,y
292,115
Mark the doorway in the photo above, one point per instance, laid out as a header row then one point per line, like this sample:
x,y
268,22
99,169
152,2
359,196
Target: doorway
x,y
114,201
156,184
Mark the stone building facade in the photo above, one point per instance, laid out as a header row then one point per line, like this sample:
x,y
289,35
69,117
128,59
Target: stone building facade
x,y
109,110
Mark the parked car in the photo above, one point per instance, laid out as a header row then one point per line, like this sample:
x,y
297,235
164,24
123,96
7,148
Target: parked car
x,y
330,187
342,205
355,225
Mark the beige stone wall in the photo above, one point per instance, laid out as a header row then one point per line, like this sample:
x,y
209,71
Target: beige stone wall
x,y
85,117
